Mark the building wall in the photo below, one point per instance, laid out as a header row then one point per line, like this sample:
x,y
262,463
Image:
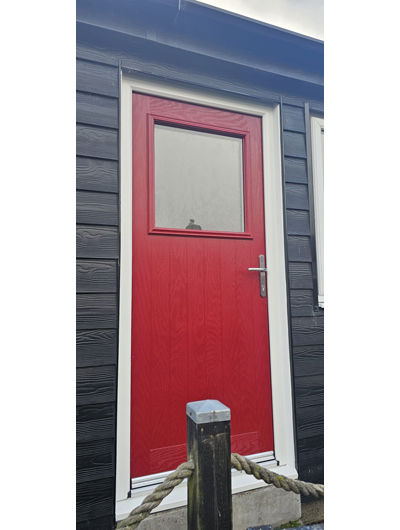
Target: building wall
x,y
307,320
97,202
100,54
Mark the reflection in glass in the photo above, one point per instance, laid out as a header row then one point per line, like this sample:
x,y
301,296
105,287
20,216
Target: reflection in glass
x,y
192,225
198,180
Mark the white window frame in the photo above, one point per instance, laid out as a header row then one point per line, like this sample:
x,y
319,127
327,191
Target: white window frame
x,y
317,146
284,448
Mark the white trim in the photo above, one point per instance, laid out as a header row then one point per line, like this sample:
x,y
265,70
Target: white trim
x,y
317,131
278,317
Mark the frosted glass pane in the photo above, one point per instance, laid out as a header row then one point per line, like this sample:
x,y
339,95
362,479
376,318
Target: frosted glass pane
x,y
198,180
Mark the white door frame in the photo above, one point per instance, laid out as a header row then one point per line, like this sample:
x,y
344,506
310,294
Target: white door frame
x,y
284,450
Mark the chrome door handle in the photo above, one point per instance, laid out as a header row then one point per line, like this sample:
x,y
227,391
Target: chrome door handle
x,y
262,270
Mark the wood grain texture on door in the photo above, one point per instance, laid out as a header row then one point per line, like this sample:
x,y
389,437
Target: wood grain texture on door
x,y
199,324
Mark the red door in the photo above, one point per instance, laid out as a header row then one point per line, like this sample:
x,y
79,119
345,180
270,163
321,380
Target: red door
x,y
199,321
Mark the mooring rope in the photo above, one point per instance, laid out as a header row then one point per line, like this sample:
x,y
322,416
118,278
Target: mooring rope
x,y
153,499
240,463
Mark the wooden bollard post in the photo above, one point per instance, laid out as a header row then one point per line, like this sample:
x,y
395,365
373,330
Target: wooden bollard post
x,y
209,446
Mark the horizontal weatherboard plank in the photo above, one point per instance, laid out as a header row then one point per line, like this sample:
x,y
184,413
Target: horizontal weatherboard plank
x,y
313,442
102,523
96,110
96,208
96,78
302,302
309,390
96,311
300,276
298,222
95,422
307,331
96,347
95,460
90,53
293,118
96,175
294,144
299,248
94,499
309,462
96,142
295,170
308,360
98,447
96,276
311,473
95,385
310,421
97,242
297,196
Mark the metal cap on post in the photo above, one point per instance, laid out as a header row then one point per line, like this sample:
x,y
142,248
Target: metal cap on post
x,y
209,446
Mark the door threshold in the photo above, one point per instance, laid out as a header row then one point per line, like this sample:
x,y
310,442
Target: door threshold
x,y
148,481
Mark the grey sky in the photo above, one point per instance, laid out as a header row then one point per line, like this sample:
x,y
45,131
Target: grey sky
x,y
302,16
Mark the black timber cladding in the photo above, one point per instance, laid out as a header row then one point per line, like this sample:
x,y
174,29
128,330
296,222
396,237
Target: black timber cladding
x,y
307,320
97,200
266,65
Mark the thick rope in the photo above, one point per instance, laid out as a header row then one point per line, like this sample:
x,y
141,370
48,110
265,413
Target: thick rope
x,y
297,486
153,499
240,463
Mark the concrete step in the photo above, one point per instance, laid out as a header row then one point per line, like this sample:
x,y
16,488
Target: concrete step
x,y
265,505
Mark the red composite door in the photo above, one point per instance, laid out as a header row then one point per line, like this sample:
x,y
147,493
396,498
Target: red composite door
x,y
199,316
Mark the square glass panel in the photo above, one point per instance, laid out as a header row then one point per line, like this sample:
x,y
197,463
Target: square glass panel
x,y
198,180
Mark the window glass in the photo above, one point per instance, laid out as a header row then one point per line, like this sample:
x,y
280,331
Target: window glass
x,y
198,180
